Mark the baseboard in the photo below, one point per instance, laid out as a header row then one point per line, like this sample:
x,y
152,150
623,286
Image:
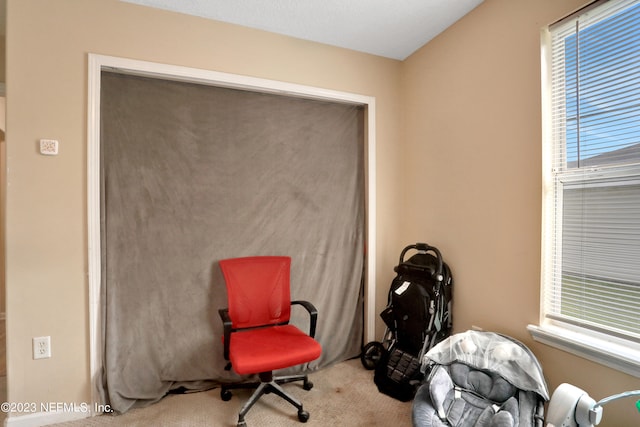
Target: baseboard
x,y
38,419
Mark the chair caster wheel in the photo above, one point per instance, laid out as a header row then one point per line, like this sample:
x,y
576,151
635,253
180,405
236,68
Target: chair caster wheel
x,y
242,424
225,395
308,385
303,416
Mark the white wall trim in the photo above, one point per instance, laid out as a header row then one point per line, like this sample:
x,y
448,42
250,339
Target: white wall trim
x,y
38,419
98,63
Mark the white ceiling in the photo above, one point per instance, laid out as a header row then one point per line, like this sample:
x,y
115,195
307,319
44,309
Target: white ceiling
x,y
390,28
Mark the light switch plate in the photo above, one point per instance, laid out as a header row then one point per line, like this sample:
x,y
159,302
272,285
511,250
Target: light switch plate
x,y
48,147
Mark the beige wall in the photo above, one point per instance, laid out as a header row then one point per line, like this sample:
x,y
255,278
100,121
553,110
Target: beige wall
x,y
458,149
3,56
47,49
3,168
472,176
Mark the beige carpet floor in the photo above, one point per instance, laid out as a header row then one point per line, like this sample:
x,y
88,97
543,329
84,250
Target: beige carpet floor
x,y
343,395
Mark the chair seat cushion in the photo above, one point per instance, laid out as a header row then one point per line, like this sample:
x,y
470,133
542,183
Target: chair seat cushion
x,y
268,349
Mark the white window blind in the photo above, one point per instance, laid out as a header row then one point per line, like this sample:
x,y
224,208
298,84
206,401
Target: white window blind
x,y
591,270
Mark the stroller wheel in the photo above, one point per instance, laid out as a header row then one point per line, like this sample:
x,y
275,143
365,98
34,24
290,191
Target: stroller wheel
x,y
371,354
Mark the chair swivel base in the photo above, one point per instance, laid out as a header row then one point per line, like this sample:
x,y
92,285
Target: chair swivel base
x,y
268,384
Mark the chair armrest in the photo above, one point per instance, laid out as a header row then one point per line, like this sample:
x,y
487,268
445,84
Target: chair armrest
x,y
313,314
228,325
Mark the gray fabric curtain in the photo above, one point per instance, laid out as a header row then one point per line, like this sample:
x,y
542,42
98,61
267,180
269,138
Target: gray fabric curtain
x,y
192,174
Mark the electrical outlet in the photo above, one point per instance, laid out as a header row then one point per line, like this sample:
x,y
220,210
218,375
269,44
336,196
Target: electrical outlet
x,y
41,347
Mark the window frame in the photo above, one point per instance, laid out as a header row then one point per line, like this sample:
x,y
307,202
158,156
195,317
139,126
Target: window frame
x,y
605,348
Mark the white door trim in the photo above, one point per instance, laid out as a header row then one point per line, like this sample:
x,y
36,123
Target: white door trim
x,y
98,63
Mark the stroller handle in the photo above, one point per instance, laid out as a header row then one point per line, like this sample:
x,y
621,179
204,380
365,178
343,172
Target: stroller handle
x,y
424,247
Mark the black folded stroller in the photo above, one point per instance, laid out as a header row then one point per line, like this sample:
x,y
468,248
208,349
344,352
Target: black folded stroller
x,y
417,317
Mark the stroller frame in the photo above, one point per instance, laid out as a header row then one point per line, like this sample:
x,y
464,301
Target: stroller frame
x,y
440,322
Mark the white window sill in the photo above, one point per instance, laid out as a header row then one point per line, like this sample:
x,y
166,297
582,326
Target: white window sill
x,y
612,352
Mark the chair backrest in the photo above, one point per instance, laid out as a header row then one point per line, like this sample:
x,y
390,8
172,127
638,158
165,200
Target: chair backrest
x,y
257,290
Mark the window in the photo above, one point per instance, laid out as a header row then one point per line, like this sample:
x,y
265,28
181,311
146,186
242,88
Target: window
x,y
591,169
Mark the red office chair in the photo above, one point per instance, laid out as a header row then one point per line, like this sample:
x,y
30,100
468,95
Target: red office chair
x,y
258,338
